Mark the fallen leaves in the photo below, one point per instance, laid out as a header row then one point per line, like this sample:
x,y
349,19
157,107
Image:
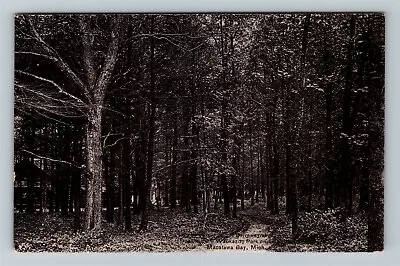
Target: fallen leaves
x,y
167,231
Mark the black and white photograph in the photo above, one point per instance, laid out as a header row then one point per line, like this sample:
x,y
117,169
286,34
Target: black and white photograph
x,y
199,132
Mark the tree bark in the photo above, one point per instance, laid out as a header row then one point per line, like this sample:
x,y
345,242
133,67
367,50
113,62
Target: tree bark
x,y
94,167
97,86
275,184
150,143
126,155
77,175
193,170
174,161
30,197
343,185
251,167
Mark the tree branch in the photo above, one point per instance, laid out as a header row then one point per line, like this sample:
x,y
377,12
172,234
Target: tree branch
x,y
53,160
37,54
54,84
58,60
115,142
109,61
47,98
87,42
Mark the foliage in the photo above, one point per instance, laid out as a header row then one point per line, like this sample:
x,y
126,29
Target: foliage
x,y
322,231
167,231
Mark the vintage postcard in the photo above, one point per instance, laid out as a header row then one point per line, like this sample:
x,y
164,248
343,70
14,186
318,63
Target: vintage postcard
x,y
209,132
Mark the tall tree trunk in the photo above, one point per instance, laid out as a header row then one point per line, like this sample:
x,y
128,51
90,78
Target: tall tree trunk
x,y
109,180
174,161
66,154
293,151
270,176
140,157
344,176
286,108
263,178
292,190
126,155
329,175
30,197
376,115
225,191
194,137
258,169
362,82
167,179
224,121
309,181
288,180
185,180
269,153
94,167
217,188
205,189
365,181
121,185
251,168
242,177
44,181
193,170
95,92
275,184
235,165
150,144
77,175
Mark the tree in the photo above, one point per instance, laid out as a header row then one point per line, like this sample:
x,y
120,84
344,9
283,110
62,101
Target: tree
x,y
90,91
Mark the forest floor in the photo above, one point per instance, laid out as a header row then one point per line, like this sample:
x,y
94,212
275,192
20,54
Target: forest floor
x,y
254,230
319,231
167,231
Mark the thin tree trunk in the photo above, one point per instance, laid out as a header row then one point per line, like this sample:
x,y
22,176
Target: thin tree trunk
x,y
329,175
345,159
242,178
140,158
185,178
270,158
263,166
126,155
193,170
77,175
288,181
376,145
235,165
251,169
217,188
174,162
258,170
30,204
195,134
224,122
275,198
150,144
168,175
108,174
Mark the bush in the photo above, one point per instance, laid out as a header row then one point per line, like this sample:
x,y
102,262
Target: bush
x,y
329,231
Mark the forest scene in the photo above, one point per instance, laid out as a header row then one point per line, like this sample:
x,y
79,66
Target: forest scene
x,y
199,132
